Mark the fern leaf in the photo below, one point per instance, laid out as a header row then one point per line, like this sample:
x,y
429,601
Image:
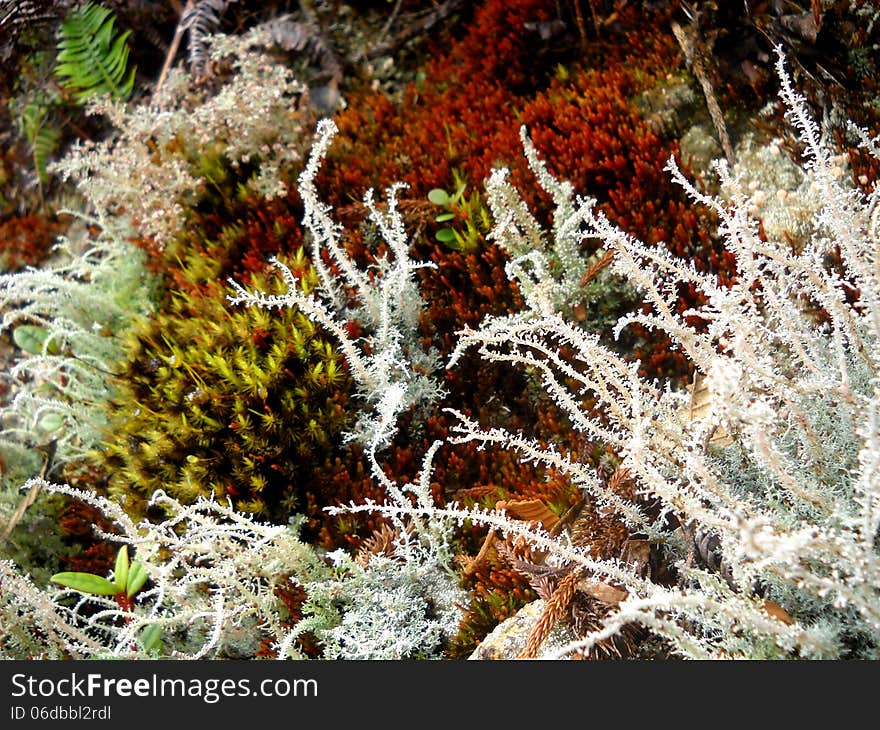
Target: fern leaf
x,y
18,14
202,20
92,56
44,145
305,38
42,137
19,17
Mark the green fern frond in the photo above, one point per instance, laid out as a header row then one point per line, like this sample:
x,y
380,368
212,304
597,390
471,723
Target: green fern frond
x,y
44,145
92,56
41,136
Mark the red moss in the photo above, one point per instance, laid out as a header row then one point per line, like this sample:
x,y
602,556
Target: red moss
x,y
465,117
26,240
88,553
462,115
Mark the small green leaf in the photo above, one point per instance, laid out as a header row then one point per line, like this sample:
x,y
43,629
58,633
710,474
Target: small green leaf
x,y
485,220
120,571
137,576
50,422
32,338
438,196
151,637
444,217
85,583
445,235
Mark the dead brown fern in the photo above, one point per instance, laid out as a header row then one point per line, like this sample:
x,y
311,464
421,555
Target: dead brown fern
x,y
555,609
570,594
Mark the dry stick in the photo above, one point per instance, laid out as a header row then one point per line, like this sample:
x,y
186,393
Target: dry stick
x,y
579,19
391,18
593,271
488,542
436,16
694,51
48,457
568,517
172,50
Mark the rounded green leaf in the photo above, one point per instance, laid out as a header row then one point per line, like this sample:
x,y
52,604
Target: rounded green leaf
x,y
120,571
444,217
85,583
50,422
137,576
446,235
31,338
438,196
151,637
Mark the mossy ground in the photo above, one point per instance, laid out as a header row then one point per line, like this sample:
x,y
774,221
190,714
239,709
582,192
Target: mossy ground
x,y
252,405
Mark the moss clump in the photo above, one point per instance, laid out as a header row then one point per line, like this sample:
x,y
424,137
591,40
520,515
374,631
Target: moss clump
x,y
226,402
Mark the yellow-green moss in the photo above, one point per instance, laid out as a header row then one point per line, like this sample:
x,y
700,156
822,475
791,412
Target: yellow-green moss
x,y
226,402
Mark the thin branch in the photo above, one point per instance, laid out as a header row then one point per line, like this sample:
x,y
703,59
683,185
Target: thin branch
x,y
172,50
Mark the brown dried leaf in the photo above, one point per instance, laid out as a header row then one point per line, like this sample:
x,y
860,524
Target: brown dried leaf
x,y
701,402
48,457
474,492
532,510
778,612
602,591
638,554
803,25
28,500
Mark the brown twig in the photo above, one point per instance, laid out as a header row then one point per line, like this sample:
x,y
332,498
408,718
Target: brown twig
x,y
48,457
579,19
172,50
392,16
411,30
695,51
487,545
597,266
